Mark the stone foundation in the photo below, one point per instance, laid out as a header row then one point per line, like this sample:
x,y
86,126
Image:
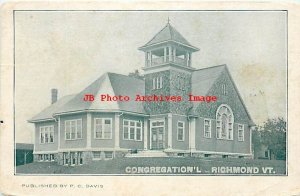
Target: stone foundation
x,y
86,157
119,154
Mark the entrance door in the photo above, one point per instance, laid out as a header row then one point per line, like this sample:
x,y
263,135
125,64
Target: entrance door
x,y
157,135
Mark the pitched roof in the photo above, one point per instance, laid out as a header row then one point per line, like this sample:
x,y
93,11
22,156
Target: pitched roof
x,y
130,86
168,33
109,83
48,112
24,146
203,79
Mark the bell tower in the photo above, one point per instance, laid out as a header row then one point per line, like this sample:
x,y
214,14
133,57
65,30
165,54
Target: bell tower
x,y
168,69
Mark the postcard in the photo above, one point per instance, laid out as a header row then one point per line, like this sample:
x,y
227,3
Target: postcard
x,y
131,98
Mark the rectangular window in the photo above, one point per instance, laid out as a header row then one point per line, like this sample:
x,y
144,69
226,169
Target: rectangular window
x,y
66,158
224,90
73,129
154,83
103,128
96,154
73,158
40,157
157,83
46,157
79,158
46,134
138,132
51,157
180,131
160,82
207,128
240,132
267,153
132,130
108,155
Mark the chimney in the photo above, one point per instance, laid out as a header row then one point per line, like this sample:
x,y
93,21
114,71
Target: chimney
x,y
53,95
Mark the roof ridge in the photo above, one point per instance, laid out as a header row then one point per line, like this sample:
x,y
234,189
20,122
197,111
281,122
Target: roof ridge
x,y
168,33
156,34
112,87
211,67
171,31
112,73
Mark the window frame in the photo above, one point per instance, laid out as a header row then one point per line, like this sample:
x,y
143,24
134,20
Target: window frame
x,y
183,131
204,131
106,153
135,129
157,83
49,131
153,83
102,124
96,157
224,89
243,132
76,129
160,82
229,125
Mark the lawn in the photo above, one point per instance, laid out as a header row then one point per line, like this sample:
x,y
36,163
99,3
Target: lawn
x,y
162,166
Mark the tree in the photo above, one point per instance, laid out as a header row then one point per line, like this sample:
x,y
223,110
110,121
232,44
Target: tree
x,y
136,74
273,135
256,139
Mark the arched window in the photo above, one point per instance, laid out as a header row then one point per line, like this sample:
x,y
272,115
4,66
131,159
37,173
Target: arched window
x,y
225,120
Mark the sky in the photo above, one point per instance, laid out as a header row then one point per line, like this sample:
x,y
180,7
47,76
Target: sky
x,y
69,50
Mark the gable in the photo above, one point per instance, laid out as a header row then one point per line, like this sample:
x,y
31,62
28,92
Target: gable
x,y
232,99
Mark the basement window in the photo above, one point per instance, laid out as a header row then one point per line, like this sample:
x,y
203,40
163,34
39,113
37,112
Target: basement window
x,y
108,155
96,155
180,154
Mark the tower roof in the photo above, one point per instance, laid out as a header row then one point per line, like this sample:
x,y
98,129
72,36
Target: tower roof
x,y
168,33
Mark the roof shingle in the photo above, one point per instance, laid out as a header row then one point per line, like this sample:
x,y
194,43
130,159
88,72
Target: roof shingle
x,y
168,33
109,83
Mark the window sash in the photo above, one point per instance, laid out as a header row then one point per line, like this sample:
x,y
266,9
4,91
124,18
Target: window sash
x,y
180,131
157,82
153,83
132,130
96,154
241,132
160,81
108,154
73,129
46,134
103,128
224,131
207,128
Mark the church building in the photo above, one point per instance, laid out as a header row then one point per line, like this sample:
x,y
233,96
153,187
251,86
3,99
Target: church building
x,y
72,131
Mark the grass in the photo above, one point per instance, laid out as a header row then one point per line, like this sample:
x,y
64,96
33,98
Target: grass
x,y
118,166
